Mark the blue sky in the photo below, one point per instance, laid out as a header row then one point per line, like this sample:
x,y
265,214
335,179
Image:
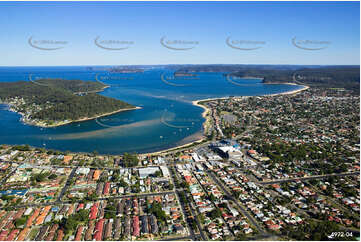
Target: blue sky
x,y
272,25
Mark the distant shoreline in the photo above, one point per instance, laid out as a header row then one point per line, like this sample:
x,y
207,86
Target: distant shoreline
x,y
207,110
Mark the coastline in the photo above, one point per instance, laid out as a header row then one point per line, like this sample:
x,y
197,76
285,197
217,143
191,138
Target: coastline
x,y
39,124
304,87
65,122
205,113
175,147
207,110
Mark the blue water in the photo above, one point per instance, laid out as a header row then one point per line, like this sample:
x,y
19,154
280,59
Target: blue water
x,y
167,117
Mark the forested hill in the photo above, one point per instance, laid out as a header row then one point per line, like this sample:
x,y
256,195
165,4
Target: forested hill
x,y
54,100
347,77
72,85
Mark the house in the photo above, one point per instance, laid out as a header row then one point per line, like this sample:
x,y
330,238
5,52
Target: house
x,y
108,230
79,233
144,220
153,224
106,188
98,236
179,229
93,211
136,229
96,175
67,158
165,171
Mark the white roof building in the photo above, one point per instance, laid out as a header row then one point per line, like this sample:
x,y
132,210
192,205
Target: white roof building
x,y
144,172
165,171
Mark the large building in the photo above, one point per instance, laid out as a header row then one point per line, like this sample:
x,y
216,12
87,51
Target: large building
x,y
165,171
144,172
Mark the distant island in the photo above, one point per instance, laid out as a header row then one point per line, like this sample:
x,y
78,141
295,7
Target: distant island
x,y
184,74
125,70
55,102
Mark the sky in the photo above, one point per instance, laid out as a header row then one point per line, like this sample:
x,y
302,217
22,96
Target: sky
x,y
151,33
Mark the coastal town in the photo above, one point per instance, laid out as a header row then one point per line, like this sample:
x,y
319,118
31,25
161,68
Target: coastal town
x,y
280,167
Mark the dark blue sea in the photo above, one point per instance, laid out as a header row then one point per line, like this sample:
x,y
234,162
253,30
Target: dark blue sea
x,y
166,119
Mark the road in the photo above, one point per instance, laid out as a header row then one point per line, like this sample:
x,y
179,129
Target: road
x,y
8,175
191,209
183,209
59,202
177,238
244,211
214,205
309,178
193,236
50,166
137,195
67,184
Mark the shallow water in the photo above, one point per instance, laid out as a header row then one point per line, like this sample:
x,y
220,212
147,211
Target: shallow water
x,y
167,117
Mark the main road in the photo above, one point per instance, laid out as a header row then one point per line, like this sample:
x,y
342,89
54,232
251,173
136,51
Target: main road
x,y
203,236
250,218
309,178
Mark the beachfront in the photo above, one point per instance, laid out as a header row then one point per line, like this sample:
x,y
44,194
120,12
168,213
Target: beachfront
x,y
207,117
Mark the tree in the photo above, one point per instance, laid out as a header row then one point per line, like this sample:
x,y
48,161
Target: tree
x,y
122,183
157,174
52,177
71,223
157,211
130,160
212,197
20,221
216,213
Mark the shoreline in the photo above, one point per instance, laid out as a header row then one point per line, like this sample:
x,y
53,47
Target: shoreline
x,y
74,121
206,111
195,103
174,148
65,122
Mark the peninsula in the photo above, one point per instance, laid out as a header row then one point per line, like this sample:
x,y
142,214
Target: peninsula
x,y
55,102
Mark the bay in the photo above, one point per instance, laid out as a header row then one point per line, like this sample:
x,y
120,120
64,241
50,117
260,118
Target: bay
x,y
166,119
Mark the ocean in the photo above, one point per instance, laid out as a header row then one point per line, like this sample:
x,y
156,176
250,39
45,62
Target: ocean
x,y
166,119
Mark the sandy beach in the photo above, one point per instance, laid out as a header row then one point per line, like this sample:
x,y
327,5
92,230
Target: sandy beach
x,y
175,147
290,92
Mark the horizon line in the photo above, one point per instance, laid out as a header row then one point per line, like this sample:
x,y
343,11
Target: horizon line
x,y
183,64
